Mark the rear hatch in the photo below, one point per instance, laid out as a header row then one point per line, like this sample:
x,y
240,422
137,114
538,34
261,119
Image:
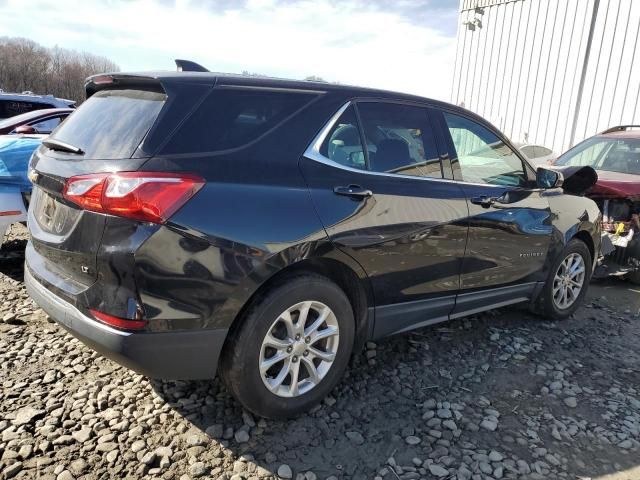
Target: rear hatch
x,y
104,135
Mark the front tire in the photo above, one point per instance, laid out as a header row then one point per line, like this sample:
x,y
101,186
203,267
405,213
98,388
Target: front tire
x,y
292,347
568,281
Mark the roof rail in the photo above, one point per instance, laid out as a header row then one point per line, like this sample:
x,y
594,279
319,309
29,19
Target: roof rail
x,y
619,128
189,66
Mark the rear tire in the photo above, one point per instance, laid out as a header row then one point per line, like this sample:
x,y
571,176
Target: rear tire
x,y
278,366
568,281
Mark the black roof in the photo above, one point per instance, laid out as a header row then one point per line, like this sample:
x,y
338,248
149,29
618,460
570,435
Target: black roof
x,y
262,81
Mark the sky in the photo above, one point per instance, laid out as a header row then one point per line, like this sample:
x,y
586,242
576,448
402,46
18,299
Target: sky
x,y
402,45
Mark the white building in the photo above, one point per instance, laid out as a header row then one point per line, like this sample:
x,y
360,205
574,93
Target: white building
x,y
550,72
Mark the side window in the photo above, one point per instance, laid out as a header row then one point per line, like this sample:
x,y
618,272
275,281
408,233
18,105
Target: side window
x,y
399,139
482,156
47,126
233,118
343,144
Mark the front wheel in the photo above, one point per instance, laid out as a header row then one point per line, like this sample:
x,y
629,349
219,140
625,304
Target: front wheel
x,y
567,282
292,347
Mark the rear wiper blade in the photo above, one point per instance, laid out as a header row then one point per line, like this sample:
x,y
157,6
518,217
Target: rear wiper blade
x,y
61,146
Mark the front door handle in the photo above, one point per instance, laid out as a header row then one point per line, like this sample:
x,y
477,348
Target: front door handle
x,y
484,201
353,191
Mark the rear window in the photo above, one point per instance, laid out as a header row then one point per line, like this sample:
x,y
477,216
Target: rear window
x,y
11,108
233,118
112,123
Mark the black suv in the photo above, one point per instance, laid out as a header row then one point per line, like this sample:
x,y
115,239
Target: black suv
x,y
184,223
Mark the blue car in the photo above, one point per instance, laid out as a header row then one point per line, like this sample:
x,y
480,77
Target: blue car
x,y
15,187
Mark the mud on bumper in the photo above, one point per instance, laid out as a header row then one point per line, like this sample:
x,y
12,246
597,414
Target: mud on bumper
x,y
168,355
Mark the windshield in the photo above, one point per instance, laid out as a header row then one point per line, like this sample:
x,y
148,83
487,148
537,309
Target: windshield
x,y
603,153
112,123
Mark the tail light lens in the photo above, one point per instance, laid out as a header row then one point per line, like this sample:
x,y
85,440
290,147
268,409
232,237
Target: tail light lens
x,y
146,196
117,322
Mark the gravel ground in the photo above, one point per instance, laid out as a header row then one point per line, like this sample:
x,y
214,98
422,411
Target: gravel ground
x,y
501,395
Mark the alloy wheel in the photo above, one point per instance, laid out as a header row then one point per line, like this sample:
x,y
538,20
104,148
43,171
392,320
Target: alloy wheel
x,y
299,349
568,281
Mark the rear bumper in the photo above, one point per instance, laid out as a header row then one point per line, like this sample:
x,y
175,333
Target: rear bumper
x,y
184,355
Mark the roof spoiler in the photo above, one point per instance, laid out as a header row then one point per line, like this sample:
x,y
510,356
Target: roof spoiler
x,y
619,128
189,66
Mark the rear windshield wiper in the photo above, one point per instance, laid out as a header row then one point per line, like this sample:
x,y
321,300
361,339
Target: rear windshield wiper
x,y
61,146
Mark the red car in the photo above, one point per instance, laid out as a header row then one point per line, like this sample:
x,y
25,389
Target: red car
x,y
37,121
615,155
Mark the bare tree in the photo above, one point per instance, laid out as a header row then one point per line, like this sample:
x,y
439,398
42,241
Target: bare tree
x,y
28,66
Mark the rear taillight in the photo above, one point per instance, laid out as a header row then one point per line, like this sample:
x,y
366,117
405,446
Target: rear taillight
x,y
146,196
117,322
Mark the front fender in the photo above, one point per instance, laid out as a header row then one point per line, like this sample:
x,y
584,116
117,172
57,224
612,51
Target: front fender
x,y
572,216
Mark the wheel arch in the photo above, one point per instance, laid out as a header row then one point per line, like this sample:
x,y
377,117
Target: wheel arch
x,y
349,278
586,238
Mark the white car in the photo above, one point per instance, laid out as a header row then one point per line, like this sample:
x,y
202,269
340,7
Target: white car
x,y
537,154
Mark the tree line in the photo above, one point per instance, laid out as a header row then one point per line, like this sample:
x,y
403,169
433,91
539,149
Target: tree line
x,y
26,65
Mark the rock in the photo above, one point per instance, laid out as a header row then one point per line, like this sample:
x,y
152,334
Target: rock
x,y
444,413
197,469
242,436
284,471
112,455
65,475
82,435
138,445
571,402
438,471
495,456
26,415
49,377
310,476
148,458
196,440
626,444
355,437
412,440
464,473
165,452
12,470
489,424
25,451
450,424
215,431
78,467
429,404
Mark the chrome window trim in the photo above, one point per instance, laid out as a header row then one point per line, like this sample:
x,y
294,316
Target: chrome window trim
x,y
313,153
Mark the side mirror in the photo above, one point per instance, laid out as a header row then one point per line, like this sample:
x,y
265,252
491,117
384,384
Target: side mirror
x,y
25,129
546,178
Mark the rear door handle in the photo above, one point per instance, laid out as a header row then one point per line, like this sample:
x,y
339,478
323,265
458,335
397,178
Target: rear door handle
x,y
484,201
353,191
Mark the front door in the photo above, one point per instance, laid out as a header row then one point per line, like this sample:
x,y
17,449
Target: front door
x,y
509,217
377,182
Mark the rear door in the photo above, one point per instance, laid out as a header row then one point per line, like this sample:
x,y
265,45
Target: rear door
x,y
509,218
377,181
107,128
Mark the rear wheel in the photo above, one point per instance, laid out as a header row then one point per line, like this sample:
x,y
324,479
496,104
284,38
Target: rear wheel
x,y
567,282
292,347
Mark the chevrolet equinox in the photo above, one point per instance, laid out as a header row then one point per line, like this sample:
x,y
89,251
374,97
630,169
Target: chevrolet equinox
x,y
185,223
